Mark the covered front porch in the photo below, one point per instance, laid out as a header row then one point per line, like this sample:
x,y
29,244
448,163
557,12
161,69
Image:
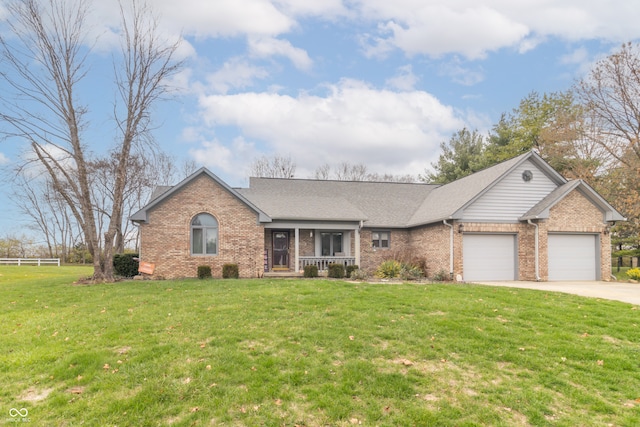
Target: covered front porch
x,y
290,246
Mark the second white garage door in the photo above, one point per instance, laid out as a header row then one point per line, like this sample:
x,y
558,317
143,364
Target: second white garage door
x,y
489,257
573,257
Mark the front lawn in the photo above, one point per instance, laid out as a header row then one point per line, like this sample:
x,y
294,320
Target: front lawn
x,y
314,353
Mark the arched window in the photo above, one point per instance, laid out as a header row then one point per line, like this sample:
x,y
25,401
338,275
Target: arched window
x,y
204,235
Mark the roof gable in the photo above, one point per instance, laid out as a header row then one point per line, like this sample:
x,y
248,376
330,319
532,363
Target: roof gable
x,y
450,200
163,193
542,209
513,194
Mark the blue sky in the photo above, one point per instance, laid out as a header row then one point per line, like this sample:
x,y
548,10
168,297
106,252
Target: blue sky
x,y
377,82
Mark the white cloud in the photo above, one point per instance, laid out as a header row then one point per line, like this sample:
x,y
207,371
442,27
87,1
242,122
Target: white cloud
x,y
265,47
578,56
467,28
204,18
230,159
3,159
437,29
236,73
460,74
389,131
404,79
471,29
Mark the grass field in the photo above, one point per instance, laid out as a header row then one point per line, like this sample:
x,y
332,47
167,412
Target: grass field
x,y
311,353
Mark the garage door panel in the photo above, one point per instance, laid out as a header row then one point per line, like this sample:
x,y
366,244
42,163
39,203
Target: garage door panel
x,y
573,257
489,257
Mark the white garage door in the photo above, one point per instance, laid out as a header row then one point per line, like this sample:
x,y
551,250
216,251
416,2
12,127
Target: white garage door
x,y
489,257
573,257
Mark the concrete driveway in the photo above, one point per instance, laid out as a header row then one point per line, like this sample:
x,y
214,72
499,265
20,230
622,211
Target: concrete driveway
x,y
617,291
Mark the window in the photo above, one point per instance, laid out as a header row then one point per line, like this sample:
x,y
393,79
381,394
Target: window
x,y
380,239
331,243
204,235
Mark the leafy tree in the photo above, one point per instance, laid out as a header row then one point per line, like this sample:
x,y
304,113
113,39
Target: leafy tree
x,y
44,66
463,155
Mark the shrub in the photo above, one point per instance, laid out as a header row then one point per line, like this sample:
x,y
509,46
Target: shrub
x,y
336,271
310,271
410,272
204,272
389,269
441,276
124,265
230,271
634,273
359,274
350,269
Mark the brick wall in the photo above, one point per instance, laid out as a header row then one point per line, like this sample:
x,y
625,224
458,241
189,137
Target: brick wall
x,y
371,258
165,240
431,242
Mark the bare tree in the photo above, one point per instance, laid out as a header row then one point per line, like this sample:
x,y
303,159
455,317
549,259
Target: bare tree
x,y
273,167
357,172
350,172
611,93
44,64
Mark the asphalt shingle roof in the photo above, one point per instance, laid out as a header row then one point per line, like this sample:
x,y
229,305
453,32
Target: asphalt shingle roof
x,y
380,204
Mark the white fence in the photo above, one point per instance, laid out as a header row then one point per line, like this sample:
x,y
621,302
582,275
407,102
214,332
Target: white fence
x,y
30,261
323,262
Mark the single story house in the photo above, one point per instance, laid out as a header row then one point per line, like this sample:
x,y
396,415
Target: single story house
x,y
517,220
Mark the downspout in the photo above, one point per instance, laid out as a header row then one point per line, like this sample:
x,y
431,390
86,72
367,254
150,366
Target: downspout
x,y
444,221
537,267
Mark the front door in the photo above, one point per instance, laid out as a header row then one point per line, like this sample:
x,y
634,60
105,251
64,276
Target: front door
x,y
280,250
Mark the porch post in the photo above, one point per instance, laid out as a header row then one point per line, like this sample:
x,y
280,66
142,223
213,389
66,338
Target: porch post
x,y
357,246
297,246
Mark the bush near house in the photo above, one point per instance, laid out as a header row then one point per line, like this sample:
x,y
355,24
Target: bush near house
x,y
389,269
403,264
350,269
359,274
230,271
124,265
310,271
204,272
634,273
336,271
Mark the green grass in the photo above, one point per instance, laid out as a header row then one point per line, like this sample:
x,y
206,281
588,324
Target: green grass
x,y
620,275
314,353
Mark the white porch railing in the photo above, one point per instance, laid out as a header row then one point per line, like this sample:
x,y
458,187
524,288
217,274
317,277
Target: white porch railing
x,y
30,261
322,262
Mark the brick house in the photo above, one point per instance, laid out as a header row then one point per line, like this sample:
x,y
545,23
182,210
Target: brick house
x,y
517,220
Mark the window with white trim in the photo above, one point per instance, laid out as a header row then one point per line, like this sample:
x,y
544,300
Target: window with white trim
x,y
204,235
381,239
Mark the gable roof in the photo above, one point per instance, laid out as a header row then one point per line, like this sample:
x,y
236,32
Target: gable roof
x,y
449,200
380,204
383,204
161,193
541,210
